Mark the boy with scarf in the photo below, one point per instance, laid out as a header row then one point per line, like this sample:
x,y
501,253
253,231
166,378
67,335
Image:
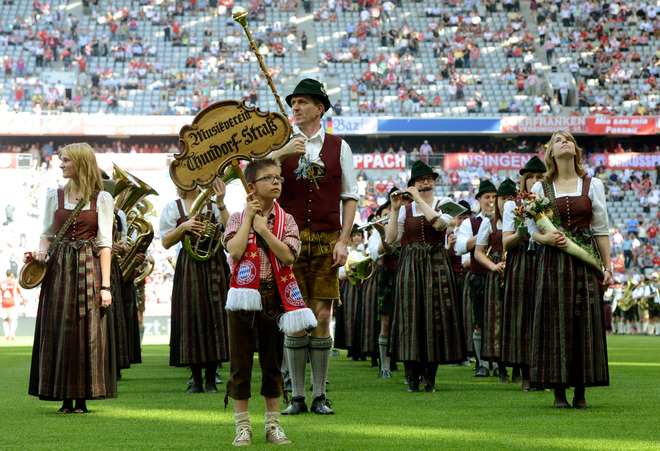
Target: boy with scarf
x,y
264,301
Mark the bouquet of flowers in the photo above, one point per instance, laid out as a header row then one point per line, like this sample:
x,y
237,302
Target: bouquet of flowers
x,y
537,207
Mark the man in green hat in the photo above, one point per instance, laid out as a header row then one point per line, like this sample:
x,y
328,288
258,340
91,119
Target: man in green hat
x,y
324,216
466,239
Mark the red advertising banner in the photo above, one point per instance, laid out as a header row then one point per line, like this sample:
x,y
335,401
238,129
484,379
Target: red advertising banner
x,y
543,124
635,125
626,160
499,161
378,161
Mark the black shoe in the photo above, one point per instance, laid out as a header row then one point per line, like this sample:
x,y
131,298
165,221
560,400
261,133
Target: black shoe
x,y
385,374
210,388
429,388
374,362
413,387
321,406
497,372
194,388
482,372
297,406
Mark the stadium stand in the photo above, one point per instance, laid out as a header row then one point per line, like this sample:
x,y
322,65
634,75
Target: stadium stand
x,y
422,59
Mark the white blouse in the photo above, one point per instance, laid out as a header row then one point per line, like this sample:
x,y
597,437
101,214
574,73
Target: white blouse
x,y
104,207
485,230
508,219
599,219
436,202
464,233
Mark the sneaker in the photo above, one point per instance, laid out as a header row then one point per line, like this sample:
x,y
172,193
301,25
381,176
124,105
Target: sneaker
x,y
275,434
385,374
243,437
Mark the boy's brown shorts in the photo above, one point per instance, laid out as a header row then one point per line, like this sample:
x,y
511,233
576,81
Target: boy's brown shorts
x,y
244,329
316,277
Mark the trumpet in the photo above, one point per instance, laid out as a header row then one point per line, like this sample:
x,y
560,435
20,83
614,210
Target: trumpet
x,y
370,224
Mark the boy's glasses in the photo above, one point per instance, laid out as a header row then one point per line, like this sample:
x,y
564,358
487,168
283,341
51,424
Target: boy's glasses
x,y
270,179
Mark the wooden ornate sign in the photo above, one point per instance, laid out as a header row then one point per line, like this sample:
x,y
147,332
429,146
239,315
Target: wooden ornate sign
x,y
222,134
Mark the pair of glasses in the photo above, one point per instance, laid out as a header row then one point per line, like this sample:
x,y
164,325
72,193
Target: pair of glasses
x,y
270,179
428,178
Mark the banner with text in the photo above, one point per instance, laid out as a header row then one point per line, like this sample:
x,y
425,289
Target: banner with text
x,y
626,160
346,125
635,125
543,124
499,161
379,161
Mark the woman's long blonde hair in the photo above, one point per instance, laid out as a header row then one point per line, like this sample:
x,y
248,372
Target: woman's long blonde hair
x,y
89,177
549,160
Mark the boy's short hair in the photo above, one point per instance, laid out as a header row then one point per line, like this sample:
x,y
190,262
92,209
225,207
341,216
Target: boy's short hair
x,y
10,273
254,166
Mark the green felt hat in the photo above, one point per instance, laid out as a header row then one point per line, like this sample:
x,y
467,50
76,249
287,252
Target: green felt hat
x,y
467,206
534,165
310,87
485,186
420,169
507,188
355,229
388,202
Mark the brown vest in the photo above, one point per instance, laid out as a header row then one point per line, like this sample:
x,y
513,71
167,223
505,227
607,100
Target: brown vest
x,y
419,230
315,208
84,227
475,266
575,211
496,244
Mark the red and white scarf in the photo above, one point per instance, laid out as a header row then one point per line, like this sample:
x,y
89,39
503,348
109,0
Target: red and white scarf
x,y
244,284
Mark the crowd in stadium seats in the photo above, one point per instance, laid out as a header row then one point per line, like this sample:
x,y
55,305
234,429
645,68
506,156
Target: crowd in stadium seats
x,y
396,58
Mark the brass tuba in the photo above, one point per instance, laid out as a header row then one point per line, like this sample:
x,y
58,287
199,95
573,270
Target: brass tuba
x,y
130,193
627,301
208,243
359,266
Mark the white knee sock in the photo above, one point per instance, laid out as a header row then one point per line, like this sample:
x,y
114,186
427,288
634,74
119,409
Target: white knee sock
x,y
13,325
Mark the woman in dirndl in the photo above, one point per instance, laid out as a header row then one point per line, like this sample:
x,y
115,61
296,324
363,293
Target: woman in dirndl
x,y
350,293
426,325
568,338
199,325
71,356
518,305
490,236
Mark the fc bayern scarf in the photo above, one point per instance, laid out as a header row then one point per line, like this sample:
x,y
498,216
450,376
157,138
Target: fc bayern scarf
x,y
244,285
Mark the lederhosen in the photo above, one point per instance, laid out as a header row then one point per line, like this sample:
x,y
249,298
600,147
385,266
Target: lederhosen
x,y
492,329
199,294
72,357
426,324
568,341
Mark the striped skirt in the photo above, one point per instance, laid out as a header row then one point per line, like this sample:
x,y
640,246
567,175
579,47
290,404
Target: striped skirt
x,y
491,348
199,322
568,336
426,325
370,322
119,317
346,315
468,323
518,307
71,352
